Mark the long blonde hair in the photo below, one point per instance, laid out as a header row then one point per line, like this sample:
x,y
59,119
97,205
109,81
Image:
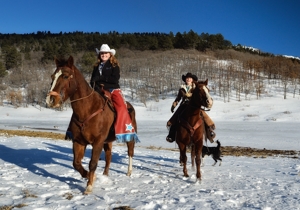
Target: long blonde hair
x,y
113,60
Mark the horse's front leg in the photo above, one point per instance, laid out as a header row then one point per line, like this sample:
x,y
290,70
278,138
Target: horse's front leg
x,y
78,153
130,152
193,156
107,149
96,151
183,157
198,153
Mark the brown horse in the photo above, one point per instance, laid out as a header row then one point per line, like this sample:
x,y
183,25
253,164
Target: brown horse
x,y
91,121
191,126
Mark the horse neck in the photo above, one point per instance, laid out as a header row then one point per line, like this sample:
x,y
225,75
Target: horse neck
x,y
84,96
194,106
194,109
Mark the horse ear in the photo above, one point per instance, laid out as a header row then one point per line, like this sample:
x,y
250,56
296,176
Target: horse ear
x,y
70,61
56,61
206,82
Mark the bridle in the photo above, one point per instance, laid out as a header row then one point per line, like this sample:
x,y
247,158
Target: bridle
x,y
54,93
71,78
208,101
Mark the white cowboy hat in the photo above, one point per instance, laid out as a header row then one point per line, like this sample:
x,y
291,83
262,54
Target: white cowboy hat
x,y
106,48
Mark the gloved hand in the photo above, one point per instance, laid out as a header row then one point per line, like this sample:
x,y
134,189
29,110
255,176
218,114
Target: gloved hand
x,y
173,106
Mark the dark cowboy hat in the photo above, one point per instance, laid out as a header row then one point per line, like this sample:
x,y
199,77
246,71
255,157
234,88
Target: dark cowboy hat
x,y
194,77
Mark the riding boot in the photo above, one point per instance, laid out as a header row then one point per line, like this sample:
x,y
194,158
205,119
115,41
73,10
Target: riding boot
x,y
172,133
69,134
210,134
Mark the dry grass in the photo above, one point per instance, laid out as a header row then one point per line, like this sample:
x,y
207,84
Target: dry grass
x,y
27,194
6,207
226,151
29,133
247,151
68,196
13,207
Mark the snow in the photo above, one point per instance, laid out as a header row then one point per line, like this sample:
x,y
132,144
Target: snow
x,y
38,172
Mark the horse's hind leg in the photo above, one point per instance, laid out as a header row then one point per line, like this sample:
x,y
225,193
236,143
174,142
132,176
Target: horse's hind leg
x,y
78,153
130,152
107,149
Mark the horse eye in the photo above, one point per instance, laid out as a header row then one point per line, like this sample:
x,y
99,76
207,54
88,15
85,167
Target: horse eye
x,y
65,77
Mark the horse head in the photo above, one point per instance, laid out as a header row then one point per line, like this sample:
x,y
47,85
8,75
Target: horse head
x,y
63,83
201,97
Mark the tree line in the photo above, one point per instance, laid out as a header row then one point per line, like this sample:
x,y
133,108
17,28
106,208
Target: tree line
x,y
151,64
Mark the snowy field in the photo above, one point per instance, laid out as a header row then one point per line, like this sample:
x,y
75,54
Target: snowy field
x,y
38,172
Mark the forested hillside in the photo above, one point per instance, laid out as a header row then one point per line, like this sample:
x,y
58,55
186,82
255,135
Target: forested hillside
x,y
151,64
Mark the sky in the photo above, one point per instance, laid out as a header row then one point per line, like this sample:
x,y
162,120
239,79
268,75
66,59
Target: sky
x,y
269,25
38,171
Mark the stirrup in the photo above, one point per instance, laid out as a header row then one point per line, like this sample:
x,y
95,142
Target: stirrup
x,y
168,139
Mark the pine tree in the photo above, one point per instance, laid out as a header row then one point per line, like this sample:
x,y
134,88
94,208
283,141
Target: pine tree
x,y
12,58
2,70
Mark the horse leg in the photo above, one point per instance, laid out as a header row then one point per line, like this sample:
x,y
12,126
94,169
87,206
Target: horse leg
x,y
183,158
78,153
198,151
180,160
193,156
107,148
130,145
130,152
96,151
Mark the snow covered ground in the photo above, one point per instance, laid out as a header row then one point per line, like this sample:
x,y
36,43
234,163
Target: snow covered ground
x,y
38,172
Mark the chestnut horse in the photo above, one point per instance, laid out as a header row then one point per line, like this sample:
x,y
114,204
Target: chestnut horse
x,y
92,118
190,130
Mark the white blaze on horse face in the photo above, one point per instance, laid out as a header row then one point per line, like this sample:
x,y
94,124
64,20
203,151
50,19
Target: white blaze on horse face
x,y
209,99
55,79
53,85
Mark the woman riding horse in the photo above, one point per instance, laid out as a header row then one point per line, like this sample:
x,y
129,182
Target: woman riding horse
x,y
184,94
91,121
106,74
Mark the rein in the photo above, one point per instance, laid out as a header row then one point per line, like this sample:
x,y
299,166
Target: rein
x,y
203,109
190,128
82,97
82,124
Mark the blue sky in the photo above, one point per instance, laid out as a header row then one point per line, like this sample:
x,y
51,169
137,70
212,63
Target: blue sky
x,y
271,25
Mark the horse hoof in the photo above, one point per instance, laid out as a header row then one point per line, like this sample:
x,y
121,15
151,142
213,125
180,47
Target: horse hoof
x,y
198,181
128,173
88,190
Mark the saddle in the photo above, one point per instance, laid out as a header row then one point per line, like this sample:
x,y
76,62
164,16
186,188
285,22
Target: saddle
x,y
107,95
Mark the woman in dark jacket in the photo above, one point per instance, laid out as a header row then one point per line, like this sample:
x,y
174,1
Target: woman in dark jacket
x,y
107,72
184,95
